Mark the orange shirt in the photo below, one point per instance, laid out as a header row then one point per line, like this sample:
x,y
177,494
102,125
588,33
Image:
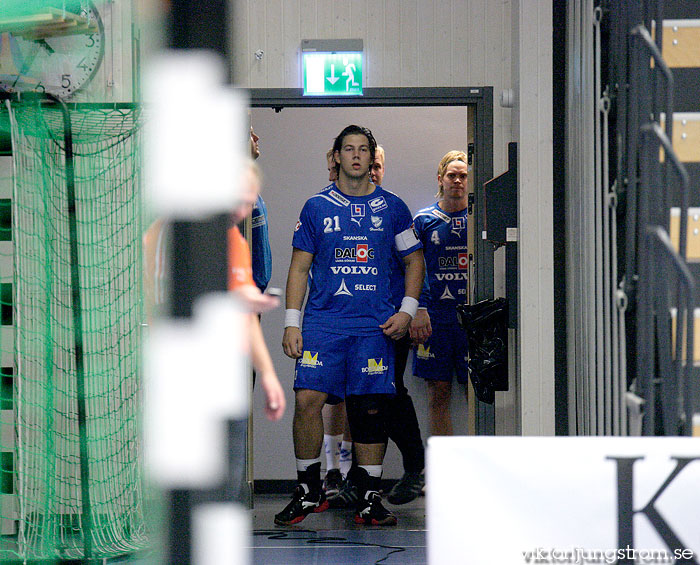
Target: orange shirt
x,y
240,269
155,271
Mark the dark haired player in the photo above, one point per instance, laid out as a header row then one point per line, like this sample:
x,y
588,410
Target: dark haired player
x,y
342,247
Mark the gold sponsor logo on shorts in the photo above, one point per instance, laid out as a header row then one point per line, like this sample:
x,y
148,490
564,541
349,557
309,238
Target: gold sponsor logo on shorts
x,y
424,352
310,359
375,367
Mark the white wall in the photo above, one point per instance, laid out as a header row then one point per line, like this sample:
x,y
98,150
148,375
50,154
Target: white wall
x,y
407,43
113,81
532,120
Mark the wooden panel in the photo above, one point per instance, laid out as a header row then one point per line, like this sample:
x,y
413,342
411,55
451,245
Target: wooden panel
x,y
427,70
681,43
307,20
374,46
392,50
686,136
342,20
119,83
693,245
409,45
291,44
6,178
358,18
478,43
461,42
442,57
8,507
256,35
241,60
274,53
325,15
696,336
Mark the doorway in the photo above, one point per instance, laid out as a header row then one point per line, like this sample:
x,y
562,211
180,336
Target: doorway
x,y
416,129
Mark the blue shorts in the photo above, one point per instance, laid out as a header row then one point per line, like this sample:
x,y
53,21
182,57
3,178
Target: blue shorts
x,y
341,365
443,355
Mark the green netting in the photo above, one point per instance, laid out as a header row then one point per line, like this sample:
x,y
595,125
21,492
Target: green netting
x,y
42,508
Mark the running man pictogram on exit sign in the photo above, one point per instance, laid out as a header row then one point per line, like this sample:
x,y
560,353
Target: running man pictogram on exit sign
x,y
332,71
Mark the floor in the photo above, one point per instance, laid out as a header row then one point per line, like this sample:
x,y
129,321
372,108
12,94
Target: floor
x,y
332,537
328,538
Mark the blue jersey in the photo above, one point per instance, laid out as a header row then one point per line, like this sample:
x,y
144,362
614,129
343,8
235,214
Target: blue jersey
x,y
260,246
398,284
352,239
444,238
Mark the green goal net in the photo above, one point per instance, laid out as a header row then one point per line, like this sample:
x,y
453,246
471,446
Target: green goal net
x,y
71,479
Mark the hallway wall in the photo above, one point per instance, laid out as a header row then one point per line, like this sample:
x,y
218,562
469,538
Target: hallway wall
x,y
407,43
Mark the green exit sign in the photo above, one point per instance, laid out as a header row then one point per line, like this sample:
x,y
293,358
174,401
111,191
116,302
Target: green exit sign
x,y
332,67
332,74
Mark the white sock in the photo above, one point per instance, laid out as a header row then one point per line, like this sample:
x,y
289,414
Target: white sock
x,y
304,464
372,470
345,457
332,446
304,478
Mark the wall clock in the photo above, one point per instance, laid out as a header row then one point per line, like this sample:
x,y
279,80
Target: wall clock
x,y
57,51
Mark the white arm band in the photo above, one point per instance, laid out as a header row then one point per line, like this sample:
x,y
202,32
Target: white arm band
x,y
292,318
409,305
406,239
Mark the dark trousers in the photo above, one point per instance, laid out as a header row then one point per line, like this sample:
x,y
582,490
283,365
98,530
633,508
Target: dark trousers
x,y
401,420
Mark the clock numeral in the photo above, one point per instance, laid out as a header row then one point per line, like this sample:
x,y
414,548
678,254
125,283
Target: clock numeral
x,y
48,62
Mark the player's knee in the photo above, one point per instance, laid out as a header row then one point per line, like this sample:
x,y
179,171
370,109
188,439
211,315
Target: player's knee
x,y
309,401
366,415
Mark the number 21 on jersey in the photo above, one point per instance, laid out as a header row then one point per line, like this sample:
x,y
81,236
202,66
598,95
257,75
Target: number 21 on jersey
x,y
331,224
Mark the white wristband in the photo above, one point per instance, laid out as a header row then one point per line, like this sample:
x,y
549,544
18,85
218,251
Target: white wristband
x,y
292,318
409,305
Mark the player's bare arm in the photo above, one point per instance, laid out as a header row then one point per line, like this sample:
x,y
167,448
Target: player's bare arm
x,y
274,394
299,267
397,325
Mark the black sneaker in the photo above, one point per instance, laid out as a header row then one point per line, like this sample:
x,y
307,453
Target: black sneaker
x,y
347,496
371,511
407,489
332,482
303,503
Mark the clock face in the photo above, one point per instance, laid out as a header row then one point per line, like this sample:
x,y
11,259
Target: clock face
x,y
57,64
